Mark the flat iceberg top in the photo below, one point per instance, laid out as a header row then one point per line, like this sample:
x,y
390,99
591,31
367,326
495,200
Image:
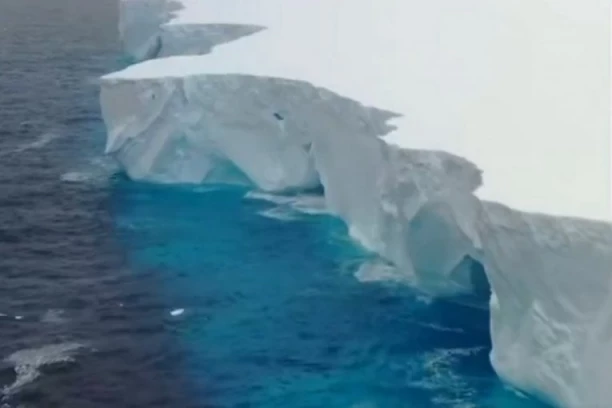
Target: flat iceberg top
x,y
519,88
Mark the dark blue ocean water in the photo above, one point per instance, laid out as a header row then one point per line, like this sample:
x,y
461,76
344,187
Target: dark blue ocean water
x,y
268,310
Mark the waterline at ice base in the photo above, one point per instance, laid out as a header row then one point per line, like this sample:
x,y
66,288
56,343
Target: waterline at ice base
x,y
465,143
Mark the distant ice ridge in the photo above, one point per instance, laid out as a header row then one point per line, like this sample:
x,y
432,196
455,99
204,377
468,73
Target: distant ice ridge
x,y
512,92
159,28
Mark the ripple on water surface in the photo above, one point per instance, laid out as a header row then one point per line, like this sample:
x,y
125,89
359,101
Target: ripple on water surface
x,y
62,273
273,317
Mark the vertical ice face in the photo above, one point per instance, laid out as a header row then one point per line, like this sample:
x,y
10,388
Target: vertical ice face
x,y
397,202
511,99
551,307
186,127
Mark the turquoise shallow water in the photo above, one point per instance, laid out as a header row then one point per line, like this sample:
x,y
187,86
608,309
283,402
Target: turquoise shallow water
x,y
274,316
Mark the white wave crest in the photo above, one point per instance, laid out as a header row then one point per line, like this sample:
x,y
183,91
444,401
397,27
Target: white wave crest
x,y
27,362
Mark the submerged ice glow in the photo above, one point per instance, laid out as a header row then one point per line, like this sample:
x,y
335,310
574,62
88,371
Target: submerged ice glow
x,y
275,318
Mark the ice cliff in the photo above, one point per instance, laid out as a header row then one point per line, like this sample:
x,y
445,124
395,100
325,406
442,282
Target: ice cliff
x,y
442,133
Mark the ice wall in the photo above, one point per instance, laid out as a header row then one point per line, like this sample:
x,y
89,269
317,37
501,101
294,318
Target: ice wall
x,y
550,309
496,105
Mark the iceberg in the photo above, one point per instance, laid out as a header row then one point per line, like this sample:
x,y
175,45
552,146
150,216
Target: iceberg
x,y
463,142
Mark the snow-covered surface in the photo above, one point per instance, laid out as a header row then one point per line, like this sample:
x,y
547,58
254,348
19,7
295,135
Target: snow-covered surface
x,y
520,88
511,99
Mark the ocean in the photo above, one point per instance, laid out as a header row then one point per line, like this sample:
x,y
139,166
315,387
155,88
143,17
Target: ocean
x,y
122,294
